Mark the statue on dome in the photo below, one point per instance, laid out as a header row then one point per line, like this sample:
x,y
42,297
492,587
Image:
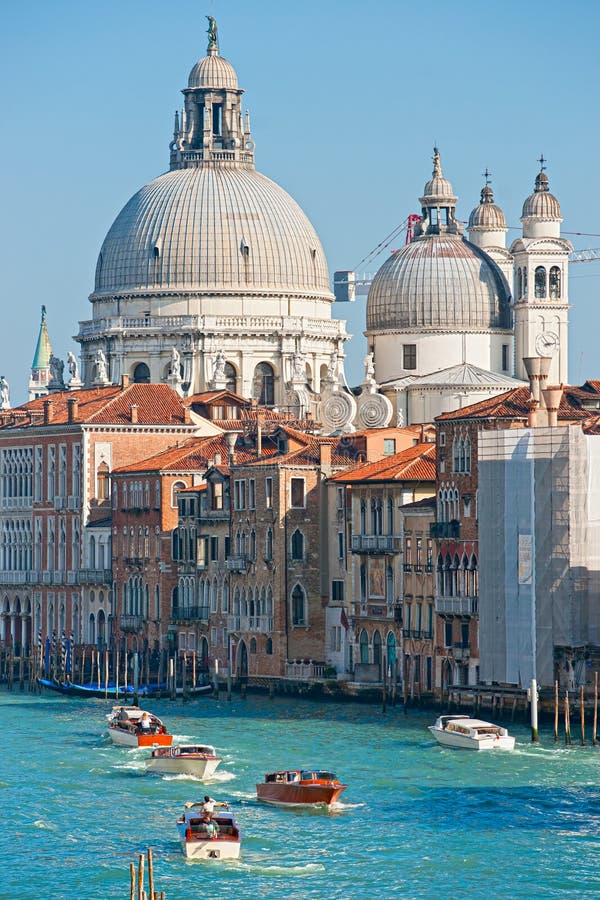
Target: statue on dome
x,y
332,367
213,35
73,366
4,393
369,367
101,367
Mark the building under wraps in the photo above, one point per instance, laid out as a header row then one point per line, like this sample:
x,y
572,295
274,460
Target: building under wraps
x,y
539,532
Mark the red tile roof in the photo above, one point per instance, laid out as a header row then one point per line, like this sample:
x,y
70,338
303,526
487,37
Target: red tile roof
x,y
195,454
413,464
157,404
514,404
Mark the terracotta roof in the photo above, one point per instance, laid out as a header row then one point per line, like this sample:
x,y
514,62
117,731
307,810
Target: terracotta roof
x,y
413,464
425,503
156,404
194,455
515,405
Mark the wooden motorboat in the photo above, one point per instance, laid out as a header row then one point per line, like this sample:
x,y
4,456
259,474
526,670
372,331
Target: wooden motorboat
x,y
199,837
471,734
198,760
131,726
300,787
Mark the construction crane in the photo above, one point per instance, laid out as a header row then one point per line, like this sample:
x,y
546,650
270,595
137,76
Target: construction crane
x,y
348,284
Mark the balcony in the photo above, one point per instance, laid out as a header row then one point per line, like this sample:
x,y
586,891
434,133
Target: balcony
x,y
445,530
94,576
376,543
461,651
457,606
240,624
14,577
304,670
237,564
216,514
131,623
190,613
60,502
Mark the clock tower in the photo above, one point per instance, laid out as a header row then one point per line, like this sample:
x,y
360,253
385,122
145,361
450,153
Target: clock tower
x,y
541,268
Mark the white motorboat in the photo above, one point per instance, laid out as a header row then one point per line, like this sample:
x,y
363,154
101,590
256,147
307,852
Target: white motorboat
x,y
131,726
471,734
198,760
205,836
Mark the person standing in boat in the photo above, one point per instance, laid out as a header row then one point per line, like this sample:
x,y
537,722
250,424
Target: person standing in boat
x,y
123,715
211,826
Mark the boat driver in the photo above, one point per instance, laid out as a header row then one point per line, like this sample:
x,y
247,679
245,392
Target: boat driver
x,y
211,827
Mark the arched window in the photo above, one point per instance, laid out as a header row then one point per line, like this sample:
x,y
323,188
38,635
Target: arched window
x,y
363,516
457,454
253,545
253,646
297,545
269,647
103,479
263,387
390,515
363,583
177,486
298,606
389,584
555,283
364,646
519,284
141,374
230,378
377,650
540,282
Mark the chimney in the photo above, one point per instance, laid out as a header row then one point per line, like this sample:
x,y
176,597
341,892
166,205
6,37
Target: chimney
x,y
72,410
217,459
187,416
325,457
134,413
533,367
125,379
532,414
231,438
552,397
48,412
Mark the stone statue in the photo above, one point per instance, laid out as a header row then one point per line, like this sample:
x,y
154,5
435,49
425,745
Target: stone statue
x,y
72,366
298,366
101,366
213,36
175,369
4,393
369,367
332,367
57,368
219,366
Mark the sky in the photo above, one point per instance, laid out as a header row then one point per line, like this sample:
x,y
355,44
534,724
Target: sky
x,y
347,99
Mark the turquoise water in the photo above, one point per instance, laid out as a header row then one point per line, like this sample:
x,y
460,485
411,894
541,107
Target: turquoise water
x,y
418,821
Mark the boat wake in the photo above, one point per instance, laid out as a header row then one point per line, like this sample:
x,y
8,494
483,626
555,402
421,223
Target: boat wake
x,y
44,826
216,778
340,807
281,870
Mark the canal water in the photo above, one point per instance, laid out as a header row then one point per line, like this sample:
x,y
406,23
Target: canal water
x,y
418,821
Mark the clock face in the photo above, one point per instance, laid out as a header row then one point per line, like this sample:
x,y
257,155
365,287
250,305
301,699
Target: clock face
x,y
547,343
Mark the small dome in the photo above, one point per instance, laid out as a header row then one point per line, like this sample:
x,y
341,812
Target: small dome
x,y
438,281
541,204
487,214
213,71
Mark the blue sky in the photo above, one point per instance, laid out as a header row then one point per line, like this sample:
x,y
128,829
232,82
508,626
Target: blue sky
x,y
346,99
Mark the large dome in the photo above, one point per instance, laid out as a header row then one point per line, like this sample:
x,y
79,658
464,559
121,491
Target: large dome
x,y
212,228
438,282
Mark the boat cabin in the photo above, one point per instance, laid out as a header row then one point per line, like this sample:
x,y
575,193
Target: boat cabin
x,y
289,776
204,751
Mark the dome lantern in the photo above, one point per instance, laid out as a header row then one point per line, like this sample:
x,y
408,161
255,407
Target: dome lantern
x,y
541,210
438,204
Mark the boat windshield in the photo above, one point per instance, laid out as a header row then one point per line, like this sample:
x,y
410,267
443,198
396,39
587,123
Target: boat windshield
x,y
317,776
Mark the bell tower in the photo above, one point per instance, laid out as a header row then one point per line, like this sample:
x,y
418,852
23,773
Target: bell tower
x,y
541,286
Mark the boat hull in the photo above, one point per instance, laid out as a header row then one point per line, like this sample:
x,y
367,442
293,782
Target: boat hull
x,y
464,742
197,768
125,738
280,794
203,849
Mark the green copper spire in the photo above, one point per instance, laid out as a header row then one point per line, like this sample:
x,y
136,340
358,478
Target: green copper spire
x,y
43,350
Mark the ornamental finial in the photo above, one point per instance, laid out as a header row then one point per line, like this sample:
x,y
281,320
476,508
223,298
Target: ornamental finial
x,y
437,166
213,35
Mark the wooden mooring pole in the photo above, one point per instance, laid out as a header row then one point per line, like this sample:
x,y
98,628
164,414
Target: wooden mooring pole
x,y
556,705
595,722
567,719
582,714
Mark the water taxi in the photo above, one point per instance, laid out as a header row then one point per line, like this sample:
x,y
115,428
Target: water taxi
x,y
300,787
206,836
471,734
198,760
131,726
